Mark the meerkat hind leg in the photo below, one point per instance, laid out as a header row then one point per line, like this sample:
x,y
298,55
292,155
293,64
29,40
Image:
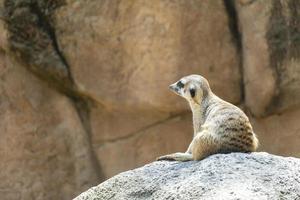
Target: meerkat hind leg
x,y
177,157
204,145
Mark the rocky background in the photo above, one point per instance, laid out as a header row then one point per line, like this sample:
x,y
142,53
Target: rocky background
x,y
84,84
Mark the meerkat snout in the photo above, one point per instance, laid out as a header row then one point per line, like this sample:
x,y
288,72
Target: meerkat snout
x,y
173,87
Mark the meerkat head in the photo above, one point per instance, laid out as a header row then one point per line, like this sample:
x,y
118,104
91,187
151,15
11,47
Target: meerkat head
x,y
194,88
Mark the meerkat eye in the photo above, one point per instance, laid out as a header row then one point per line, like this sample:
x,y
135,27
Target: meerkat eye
x,y
192,92
180,84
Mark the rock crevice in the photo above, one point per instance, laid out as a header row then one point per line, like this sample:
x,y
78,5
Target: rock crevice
x,y
236,33
32,37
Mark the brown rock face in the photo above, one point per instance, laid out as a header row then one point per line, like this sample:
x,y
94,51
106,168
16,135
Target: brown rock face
x,y
44,150
143,46
271,53
172,134
127,55
279,133
84,84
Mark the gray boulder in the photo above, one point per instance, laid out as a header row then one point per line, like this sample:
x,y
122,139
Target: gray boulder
x,y
222,176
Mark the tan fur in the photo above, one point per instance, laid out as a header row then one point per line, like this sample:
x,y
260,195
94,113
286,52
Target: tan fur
x,y
219,127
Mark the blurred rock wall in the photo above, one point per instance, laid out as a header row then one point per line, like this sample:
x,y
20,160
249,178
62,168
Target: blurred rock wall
x,y
84,84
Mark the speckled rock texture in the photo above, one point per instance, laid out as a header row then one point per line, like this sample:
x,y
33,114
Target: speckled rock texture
x,y
222,176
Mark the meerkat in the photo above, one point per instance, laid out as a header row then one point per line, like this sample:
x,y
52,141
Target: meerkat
x,y
219,126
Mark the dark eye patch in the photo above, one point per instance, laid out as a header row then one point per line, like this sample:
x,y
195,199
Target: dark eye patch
x,y
180,84
192,92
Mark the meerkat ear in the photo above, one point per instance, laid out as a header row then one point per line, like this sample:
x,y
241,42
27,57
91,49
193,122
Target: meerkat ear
x,y
192,90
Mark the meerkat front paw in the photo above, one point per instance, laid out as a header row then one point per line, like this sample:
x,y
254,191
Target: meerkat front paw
x,y
166,157
177,157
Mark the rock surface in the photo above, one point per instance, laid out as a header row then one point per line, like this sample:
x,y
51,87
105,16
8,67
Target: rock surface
x,y
222,176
